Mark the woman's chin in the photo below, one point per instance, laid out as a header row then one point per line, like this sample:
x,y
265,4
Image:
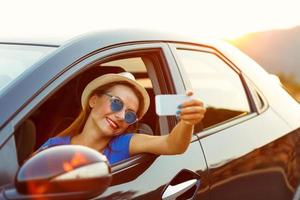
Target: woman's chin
x,y
110,132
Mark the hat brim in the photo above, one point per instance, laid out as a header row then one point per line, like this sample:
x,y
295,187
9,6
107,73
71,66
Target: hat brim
x,y
114,78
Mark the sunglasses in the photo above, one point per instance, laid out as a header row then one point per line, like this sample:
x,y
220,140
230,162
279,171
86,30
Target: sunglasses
x,y
116,105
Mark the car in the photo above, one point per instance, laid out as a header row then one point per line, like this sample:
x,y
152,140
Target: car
x,y
246,147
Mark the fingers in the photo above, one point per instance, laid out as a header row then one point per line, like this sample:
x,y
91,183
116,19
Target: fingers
x,y
192,102
192,118
191,112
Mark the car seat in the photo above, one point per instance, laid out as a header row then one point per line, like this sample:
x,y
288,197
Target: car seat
x,y
25,138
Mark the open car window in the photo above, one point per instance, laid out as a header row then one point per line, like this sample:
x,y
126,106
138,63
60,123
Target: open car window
x,y
62,107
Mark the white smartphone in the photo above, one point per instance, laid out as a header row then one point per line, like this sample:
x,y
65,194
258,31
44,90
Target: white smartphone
x,y
167,104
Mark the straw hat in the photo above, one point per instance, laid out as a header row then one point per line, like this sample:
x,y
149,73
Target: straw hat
x,y
110,78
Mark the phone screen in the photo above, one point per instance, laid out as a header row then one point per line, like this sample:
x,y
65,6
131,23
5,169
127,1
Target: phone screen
x,y
167,105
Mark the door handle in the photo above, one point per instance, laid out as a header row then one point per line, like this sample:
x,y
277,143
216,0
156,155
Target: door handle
x,y
173,191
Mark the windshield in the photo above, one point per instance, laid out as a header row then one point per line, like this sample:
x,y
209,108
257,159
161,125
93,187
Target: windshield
x,y
16,58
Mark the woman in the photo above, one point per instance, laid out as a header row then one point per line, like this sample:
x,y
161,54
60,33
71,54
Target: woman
x,y
111,104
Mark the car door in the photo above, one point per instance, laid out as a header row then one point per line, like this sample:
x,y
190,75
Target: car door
x,y
143,176
246,145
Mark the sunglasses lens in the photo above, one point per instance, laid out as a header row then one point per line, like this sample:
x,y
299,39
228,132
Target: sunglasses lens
x,y
116,105
130,117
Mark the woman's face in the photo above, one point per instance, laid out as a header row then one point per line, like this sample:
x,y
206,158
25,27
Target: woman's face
x,y
108,122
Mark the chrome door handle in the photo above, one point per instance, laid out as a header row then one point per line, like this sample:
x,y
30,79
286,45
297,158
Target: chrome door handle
x,y
173,191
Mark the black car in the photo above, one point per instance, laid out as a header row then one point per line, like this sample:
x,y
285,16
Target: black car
x,y
247,146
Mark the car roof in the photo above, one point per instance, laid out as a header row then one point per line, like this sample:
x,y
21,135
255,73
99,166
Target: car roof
x,y
108,36
132,35
40,41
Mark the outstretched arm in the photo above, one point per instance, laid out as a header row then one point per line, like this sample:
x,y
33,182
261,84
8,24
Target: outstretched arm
x,y
191,112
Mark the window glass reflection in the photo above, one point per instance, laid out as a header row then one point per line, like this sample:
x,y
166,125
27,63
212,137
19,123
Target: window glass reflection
x,y
16,59
216,84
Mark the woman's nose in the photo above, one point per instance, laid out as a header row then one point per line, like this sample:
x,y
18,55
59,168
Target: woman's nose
x,y
120,114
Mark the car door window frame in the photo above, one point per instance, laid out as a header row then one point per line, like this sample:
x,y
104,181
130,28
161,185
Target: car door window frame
x,y
74,71
208,49
70,73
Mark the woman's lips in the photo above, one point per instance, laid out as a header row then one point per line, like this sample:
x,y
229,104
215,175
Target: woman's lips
x,y
112,123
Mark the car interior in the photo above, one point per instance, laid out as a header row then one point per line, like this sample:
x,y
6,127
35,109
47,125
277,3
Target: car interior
x,y
62,107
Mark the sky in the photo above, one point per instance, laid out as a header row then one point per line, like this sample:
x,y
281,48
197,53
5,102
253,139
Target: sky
x,y
209,18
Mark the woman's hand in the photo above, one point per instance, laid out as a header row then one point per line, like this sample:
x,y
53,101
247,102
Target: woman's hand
x,y
192,111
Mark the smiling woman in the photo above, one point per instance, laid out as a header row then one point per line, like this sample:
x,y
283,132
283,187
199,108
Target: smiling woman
x,y
110,105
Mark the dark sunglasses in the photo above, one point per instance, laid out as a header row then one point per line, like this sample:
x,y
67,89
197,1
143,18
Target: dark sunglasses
x,y
116,105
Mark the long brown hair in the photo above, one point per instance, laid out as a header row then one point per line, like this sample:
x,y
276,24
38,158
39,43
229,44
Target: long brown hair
x,y
77,125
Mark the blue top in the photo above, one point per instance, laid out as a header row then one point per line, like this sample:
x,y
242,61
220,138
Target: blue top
x,y
117,150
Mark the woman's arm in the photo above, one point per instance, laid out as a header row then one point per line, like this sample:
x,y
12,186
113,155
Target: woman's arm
x,y
190,113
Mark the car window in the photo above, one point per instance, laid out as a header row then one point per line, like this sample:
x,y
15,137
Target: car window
x,y
65,103
15,59
216,84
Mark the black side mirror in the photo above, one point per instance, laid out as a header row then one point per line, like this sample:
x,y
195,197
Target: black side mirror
x,y
64,169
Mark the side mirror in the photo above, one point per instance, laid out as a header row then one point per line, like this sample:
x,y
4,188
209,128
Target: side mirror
x,y
64,169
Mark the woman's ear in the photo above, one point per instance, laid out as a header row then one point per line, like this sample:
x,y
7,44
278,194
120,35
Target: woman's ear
x,y
93,101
